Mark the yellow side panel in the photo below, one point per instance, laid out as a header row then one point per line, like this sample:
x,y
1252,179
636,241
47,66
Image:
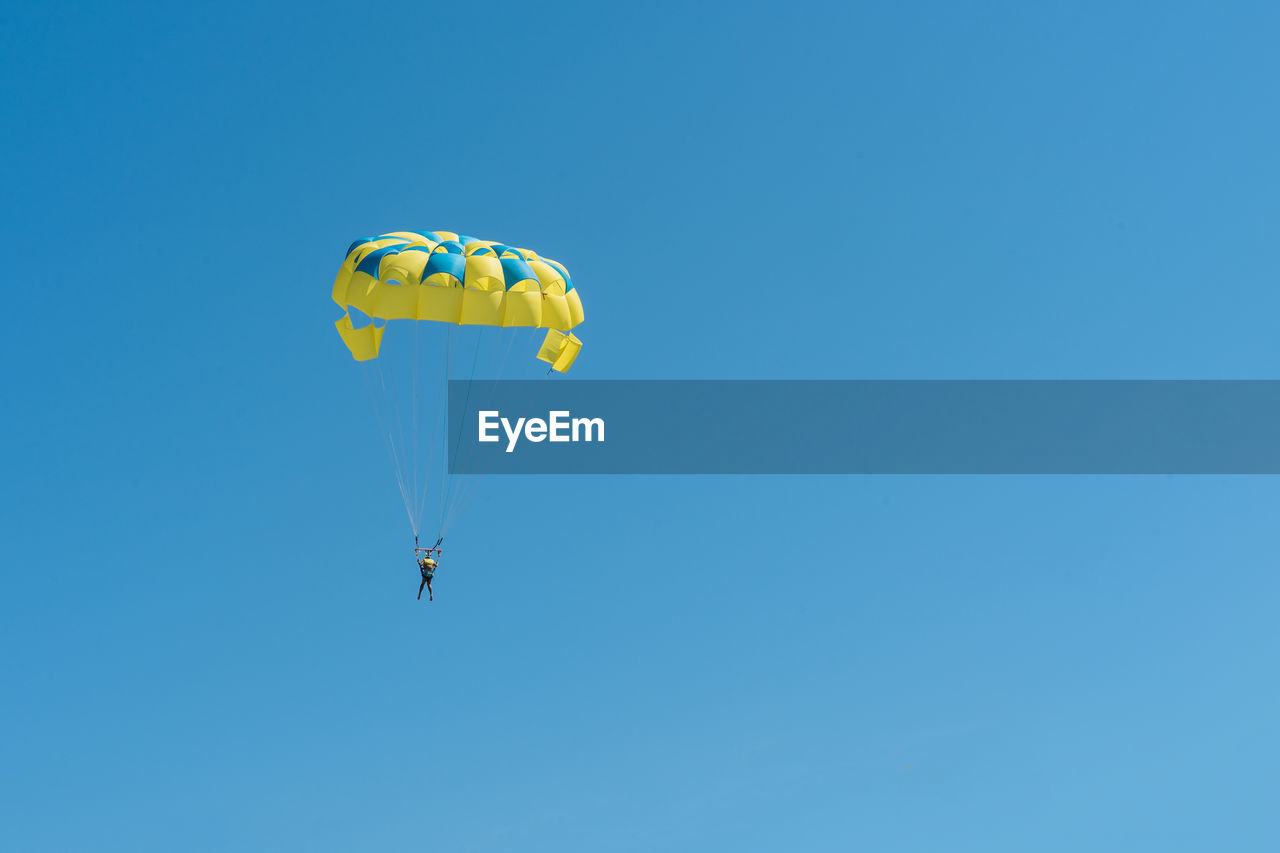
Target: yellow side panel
x,y
555,312
575,308
522,309
482,307
396,302
340,284
442,304
362,292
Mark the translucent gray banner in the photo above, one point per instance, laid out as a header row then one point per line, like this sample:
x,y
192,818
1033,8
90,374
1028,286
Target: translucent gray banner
x,y
864,427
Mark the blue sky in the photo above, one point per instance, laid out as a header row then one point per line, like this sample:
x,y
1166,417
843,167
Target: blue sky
x,y
208,637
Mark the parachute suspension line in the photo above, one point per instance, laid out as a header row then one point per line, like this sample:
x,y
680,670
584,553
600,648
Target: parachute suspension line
x,y
444,416
435,418
467,485
466,489
396,431
392,392
478,479
474,485
388,443
466,404
406,444
473,488
413,425
511,339
388,437
408,448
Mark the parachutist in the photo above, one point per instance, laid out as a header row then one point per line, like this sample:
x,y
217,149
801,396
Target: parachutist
x,y
428,568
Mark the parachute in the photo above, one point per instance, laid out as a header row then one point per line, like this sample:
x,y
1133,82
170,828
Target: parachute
x,y
448,278
444,288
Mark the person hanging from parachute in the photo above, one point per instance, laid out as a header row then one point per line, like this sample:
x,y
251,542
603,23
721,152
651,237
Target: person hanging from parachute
x,y
445,280
427,565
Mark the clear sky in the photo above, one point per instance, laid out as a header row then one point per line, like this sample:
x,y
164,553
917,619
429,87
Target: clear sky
x,y
208,632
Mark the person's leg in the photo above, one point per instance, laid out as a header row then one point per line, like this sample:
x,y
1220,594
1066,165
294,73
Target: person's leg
x,y
431,596
420,586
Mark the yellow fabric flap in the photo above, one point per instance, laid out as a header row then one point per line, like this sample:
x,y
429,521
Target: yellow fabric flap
x,y
363,342
569,353
559,350
552,345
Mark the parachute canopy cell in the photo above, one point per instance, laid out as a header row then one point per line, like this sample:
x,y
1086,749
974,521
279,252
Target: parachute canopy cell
x,y
445,277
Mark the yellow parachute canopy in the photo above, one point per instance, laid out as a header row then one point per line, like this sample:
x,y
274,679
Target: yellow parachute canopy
x,y
450,278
